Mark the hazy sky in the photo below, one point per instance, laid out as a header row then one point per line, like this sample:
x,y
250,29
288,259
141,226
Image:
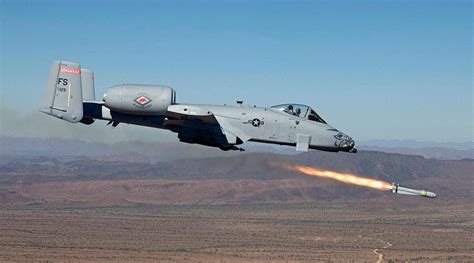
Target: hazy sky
x,y
373,69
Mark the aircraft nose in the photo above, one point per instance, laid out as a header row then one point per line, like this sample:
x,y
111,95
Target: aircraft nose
x,y
344,142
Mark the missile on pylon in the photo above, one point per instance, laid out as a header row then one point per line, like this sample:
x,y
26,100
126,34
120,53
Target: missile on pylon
x,y
397,189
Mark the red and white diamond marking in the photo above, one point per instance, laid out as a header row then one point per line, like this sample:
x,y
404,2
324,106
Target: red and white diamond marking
x,y
143,100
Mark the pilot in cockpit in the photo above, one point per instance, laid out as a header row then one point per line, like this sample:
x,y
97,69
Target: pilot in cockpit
x,y
289,110
298,112
292,111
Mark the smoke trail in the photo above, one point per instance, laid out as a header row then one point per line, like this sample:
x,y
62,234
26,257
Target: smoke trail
x,y
342,177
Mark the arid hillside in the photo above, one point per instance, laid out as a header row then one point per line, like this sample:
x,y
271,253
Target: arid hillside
x,y
243,207
246,178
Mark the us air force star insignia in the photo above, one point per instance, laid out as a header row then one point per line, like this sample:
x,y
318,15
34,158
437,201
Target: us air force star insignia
x,y
256,122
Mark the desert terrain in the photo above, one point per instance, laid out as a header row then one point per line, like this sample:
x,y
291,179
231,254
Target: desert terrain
x,y
237,233
239,208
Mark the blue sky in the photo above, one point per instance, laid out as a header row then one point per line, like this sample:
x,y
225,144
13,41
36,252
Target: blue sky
x,y
374,69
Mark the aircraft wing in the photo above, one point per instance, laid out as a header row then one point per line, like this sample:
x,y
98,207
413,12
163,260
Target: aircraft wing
x,y
190,112
196,124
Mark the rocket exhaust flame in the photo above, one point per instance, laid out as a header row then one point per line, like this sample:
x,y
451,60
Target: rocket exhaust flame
x,y
356,180
342,177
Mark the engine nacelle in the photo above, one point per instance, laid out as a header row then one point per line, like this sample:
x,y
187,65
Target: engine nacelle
x,y
139,99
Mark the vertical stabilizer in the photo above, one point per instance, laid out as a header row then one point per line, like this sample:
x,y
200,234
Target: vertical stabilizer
x,y
63,94
88,87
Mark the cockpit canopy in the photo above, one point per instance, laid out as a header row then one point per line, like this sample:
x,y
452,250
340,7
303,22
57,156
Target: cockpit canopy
x,y
299,110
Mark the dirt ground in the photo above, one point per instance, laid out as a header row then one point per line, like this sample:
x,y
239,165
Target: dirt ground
x,y
236,233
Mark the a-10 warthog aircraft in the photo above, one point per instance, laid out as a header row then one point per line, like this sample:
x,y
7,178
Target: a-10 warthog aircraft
x,y
70,95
